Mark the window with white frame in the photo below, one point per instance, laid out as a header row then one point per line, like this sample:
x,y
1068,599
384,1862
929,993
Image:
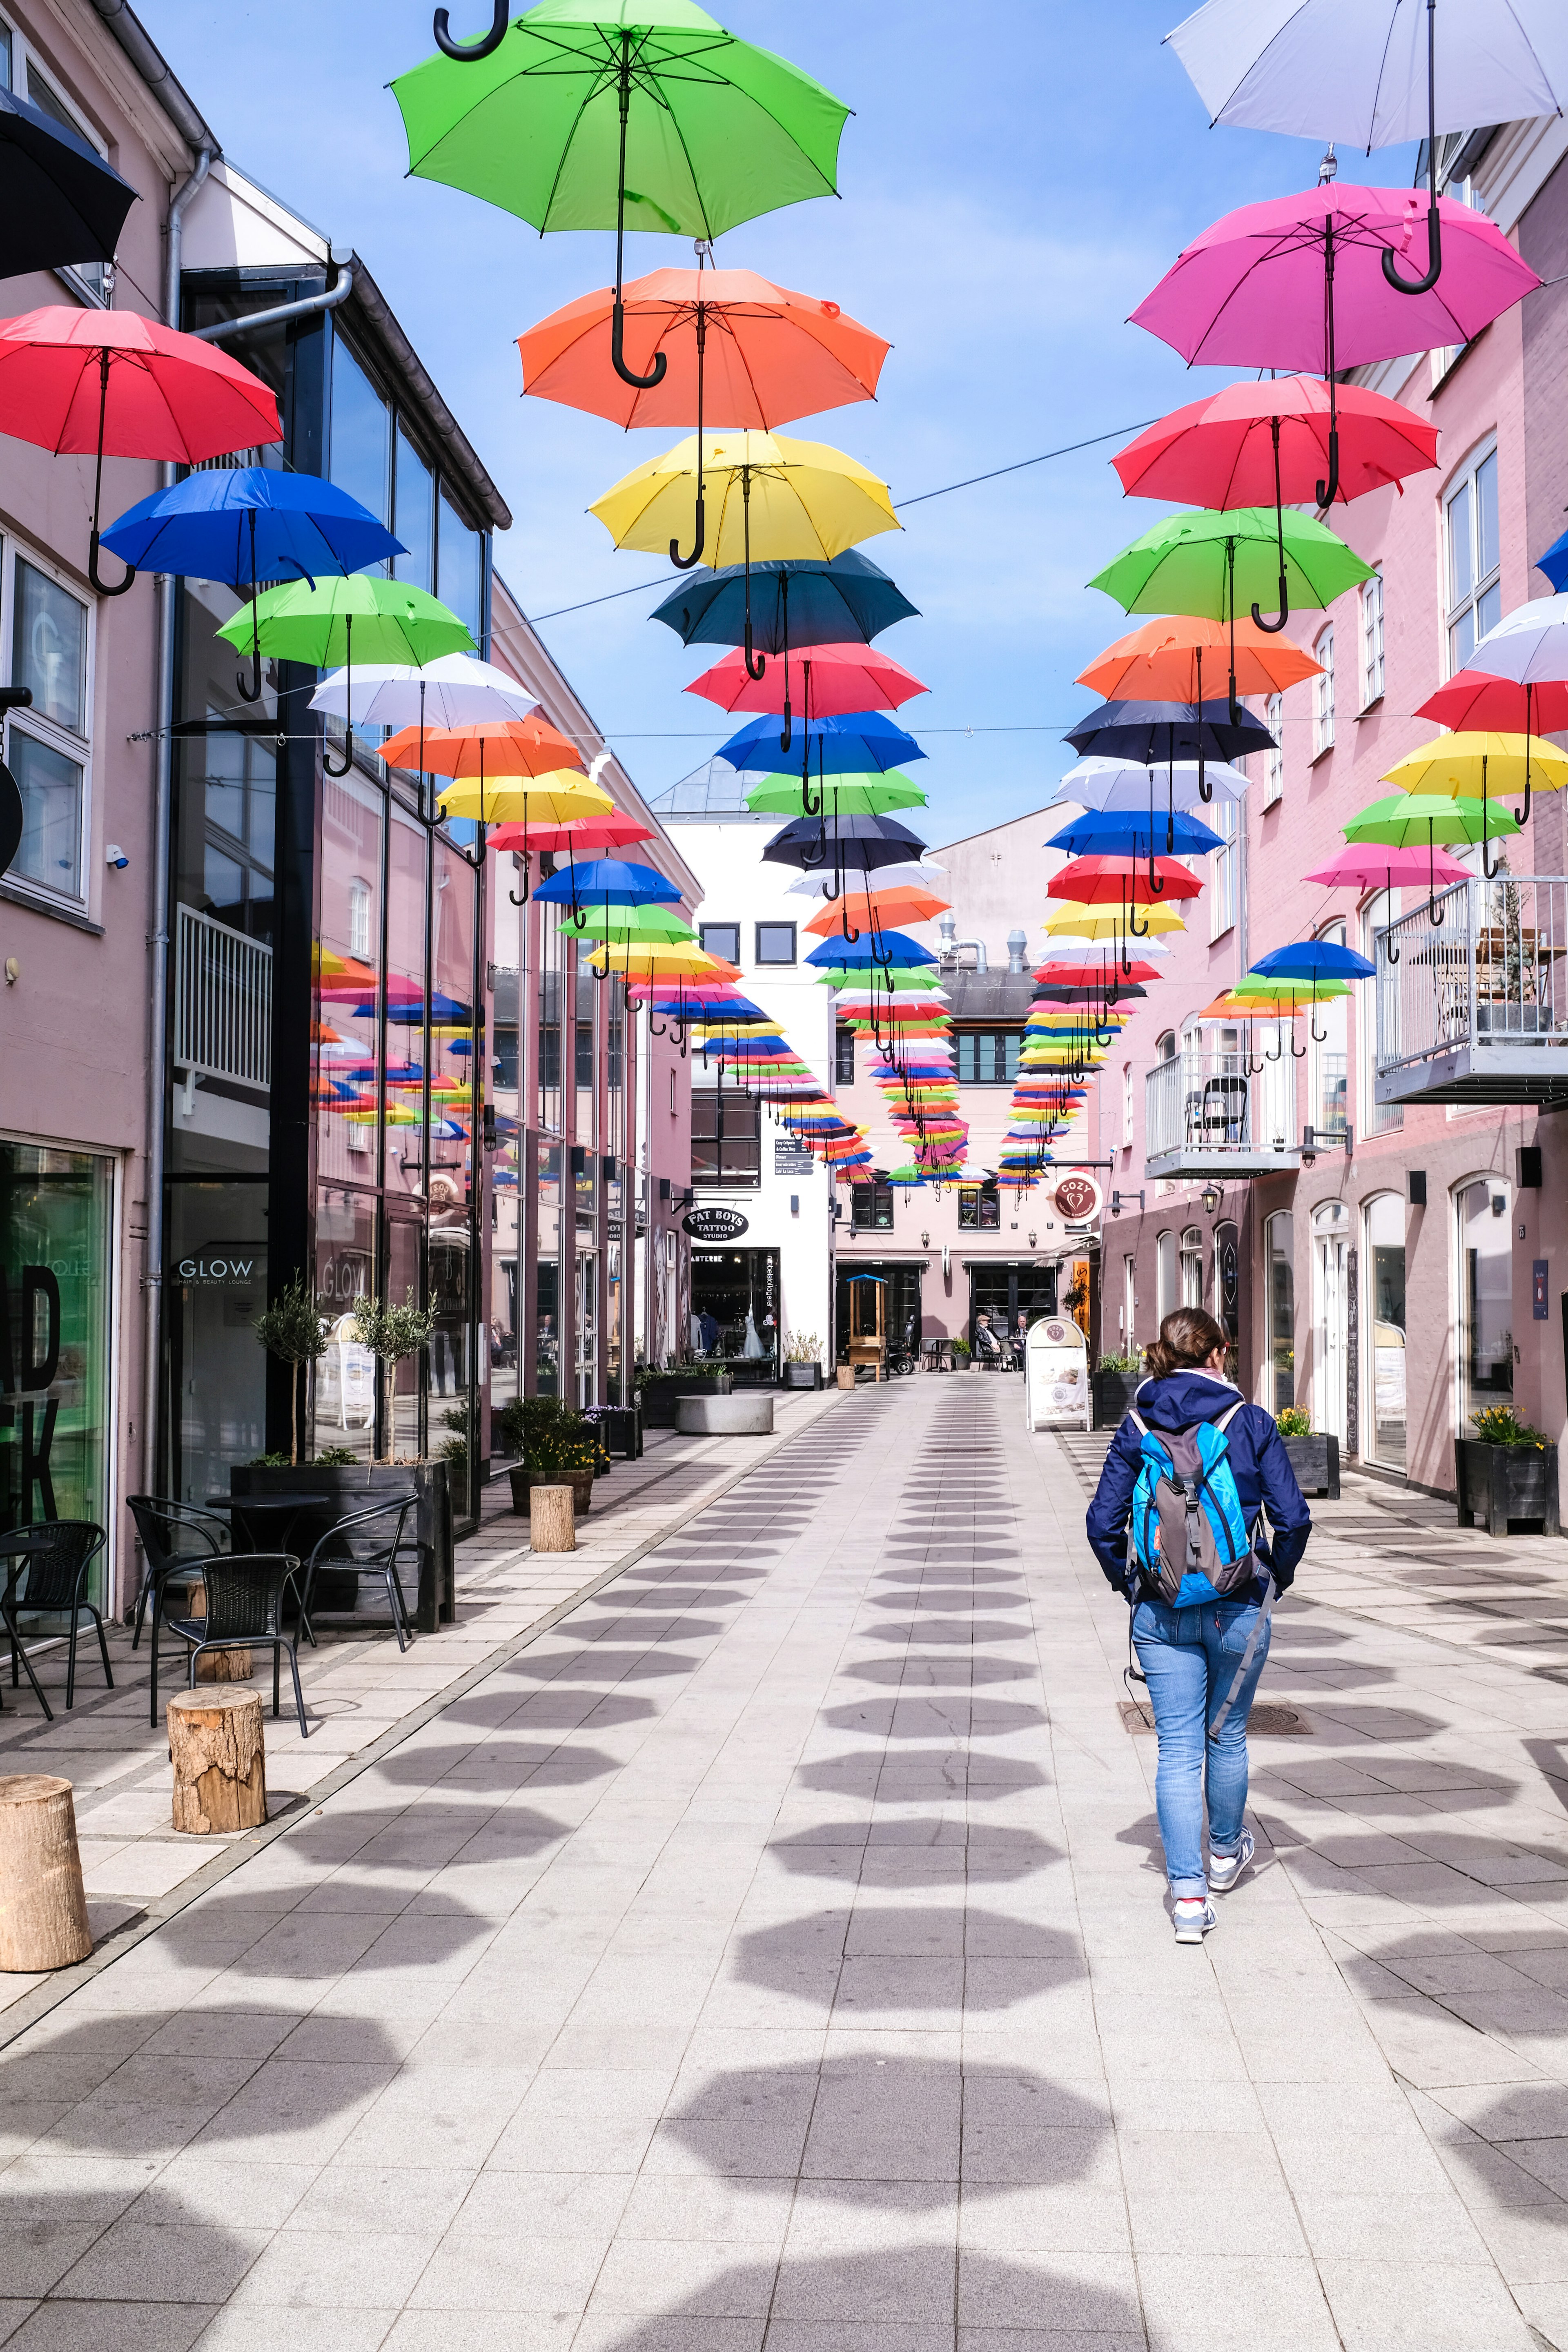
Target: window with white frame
x,y
1274,758
359,917
1371,640
1221,818
49,746
1472,556
20,70
1323,694
1374,1118
1127,1106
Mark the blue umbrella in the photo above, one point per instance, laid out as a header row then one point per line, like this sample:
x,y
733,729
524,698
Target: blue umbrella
x,y
861,743
1129,832
891,950
615,881
1313,960
1554,563
247,525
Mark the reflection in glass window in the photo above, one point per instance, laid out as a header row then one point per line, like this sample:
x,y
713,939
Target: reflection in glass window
x,y
361,433
50,786
460,576
726,1138
50,652
1486,1307
979,1209
414,518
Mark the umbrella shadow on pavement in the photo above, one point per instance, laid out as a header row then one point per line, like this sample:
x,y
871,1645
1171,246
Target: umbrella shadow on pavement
x,y
920,1717
908,1958
956,1630
914,1673
545,1710
320,1944
104,2245
861,1774
598,1663
499,1763
914,1853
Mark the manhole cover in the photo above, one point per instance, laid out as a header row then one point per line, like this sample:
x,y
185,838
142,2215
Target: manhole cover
x,y
1270,1718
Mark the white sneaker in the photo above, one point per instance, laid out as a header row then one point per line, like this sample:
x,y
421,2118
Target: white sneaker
x,y
1194,1915
1224,1869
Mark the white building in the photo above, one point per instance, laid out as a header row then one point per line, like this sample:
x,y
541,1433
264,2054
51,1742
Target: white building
x,y
762,1223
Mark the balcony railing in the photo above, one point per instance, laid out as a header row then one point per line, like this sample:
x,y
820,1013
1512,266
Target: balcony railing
x,y
222,1025
1473,1007
1212,1114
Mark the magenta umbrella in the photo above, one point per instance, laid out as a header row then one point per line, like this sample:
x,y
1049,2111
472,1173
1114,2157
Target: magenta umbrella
x,y
1297,283
1369,867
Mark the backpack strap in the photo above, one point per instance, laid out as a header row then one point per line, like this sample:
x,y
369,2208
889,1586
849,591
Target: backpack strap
x,y
1139,1424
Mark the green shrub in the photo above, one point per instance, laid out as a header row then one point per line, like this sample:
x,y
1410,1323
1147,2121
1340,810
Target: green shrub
x,y
335,1457
1495,1425
547,1433
1124,1363
1293,1422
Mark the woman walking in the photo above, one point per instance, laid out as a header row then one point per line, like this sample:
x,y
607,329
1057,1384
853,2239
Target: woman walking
x,y
1176,1524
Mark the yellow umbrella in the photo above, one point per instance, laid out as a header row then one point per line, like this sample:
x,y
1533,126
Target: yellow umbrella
x,y
764,496
1467,765
1110,922
553,798
638,958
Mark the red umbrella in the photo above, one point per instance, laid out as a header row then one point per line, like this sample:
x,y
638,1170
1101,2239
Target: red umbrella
x,y
1105,881
1255,445
839,679
1472,698
112,383
613,832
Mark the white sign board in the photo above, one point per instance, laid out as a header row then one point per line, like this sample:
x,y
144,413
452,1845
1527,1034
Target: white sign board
x,y
1055,1375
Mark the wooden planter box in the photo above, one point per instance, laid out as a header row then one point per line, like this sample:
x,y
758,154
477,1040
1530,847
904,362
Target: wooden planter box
x,y
619,1428
1507,1487
1113,1393
1316,1462
803,1376
361,1488
657,1398
523,1482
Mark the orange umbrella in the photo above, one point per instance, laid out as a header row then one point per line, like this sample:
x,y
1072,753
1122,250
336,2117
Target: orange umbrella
x,y
497,748
883,909
1163,661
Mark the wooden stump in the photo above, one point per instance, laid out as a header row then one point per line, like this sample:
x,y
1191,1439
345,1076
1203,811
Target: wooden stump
x,y
43,1909
220,1764
553,1518
217,1666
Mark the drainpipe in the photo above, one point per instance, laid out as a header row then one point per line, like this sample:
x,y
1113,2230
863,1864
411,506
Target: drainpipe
x,y
158,1055
304,309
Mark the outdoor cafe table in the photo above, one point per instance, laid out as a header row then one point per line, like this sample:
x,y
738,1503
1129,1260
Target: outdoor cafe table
x,y
244,1508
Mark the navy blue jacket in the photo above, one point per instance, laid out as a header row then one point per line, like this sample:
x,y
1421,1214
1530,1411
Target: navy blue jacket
x,y
1257,1459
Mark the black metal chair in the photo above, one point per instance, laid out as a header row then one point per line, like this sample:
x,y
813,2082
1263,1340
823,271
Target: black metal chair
x,y
380,1560
52,1583
178,1540
244,1612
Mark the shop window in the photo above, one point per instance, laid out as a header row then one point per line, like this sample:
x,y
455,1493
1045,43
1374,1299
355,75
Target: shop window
x,y
979,1209
722,940
872,1208
359,917
1374,1118
460,571
988,1057
1486,1298
1386,1316
1327,1038
775,943
55,1369
1324,693
1473,556
843,1056
1281,1250
1221,818
726,1138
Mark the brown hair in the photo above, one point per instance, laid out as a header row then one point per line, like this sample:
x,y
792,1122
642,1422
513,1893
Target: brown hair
x,y
1188,1337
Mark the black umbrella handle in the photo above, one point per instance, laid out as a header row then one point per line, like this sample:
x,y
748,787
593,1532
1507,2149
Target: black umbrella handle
x,y
101,585
470,52
1433,224
1327,492
251,691
327,767
685,562
1258,622
618,314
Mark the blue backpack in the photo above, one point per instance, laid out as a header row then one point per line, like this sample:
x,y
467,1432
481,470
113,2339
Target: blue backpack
x,y
1187,1538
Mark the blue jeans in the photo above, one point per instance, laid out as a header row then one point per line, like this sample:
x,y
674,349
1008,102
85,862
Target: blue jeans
x,y
1190,1658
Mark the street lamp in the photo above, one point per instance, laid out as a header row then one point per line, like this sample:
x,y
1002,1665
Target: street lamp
x,y
1212,1197
1117,1199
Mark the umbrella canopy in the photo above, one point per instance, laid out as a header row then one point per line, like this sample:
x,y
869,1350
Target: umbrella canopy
x,y
1086,922
1387,869
861,910
859,843
738,349
454,690
1224,450
248,524
1165,659
787,499
834,680
893,951
801,604
1554,563
321,626
1475,764
1209,563
60,202
613,832
843,795
1418,820
1475,698
1113,785
617,879
555,798
1313,960
113,383
492,748
1529,645
1169,731
917,874
861,742
616,919
1132,834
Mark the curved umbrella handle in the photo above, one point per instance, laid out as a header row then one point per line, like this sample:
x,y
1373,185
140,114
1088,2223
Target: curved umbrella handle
x,y
102,586
755,663
1312,1025
470,53
1298,1053
1136,929
1275,625
1327,492
327,767
685,562
808,806
250,691
1435,255
1280,1054
618,361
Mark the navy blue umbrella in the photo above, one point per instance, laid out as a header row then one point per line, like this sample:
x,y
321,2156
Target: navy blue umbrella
x,y
859,843
859,743
847,600
247,524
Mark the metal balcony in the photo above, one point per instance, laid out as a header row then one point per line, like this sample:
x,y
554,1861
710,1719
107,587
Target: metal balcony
x,y
1473,1007
222,1010
1213,1114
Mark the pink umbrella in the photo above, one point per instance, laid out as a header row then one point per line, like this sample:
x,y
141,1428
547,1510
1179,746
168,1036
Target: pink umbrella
x,y
1298,283
1369,867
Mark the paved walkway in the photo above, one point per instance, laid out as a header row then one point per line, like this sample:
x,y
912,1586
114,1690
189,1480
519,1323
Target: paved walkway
x,y
773,1953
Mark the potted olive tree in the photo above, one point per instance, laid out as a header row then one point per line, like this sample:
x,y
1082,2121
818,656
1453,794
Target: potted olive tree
x,y
1506,1475
557,1445
1115,1384
1314,1454
803,1361
293,1329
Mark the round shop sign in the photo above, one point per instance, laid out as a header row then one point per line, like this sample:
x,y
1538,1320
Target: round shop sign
x,y
1078,1197
715,1224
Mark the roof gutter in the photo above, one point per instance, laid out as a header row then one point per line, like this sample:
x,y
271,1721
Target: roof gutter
x,y
153,69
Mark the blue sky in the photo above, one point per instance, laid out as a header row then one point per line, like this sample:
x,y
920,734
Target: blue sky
x,y
1015,177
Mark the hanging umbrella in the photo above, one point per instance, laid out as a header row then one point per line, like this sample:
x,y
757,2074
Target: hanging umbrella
x,y
489,747
1128,788
895,951
1312,281
1339,70
708,130
1529,645
772,605
1476,698
557,797
1471,763
60,202
112,383
834,680
1252,443
844,795
862,910
1157,733
246,525
1388,869
1312,959
758,355
616,920
1418,820
613,881
860,743
454,690
1165,659
1130,834
317,621
613,832
858,844
1208,563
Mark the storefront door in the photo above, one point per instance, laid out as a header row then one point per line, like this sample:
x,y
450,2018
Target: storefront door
x,y
735,1307
55,1362
1331,1240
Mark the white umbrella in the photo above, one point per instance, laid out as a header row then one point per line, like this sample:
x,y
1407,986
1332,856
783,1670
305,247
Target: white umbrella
x,y
1529,645
1118,784
458,691
1375,73
1065,949
921,875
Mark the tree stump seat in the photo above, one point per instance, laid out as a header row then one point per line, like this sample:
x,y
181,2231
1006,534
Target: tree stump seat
x,y
218,1753
43,1905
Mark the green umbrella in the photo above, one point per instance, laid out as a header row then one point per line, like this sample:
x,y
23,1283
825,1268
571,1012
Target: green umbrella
x,y
632,923
1209,563
1421,820
600,113
320,623
842,795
